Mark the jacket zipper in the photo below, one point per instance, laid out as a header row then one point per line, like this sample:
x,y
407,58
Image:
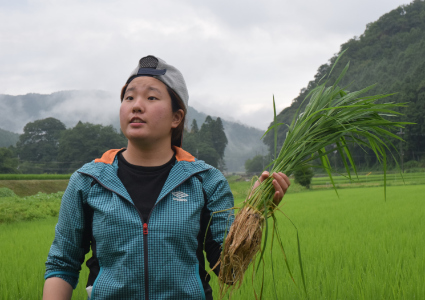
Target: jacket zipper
x,y
145,258
145,227
145,240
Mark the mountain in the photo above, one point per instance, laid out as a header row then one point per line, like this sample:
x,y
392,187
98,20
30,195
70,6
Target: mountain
x,y
100,107
243,142
391,54
67,106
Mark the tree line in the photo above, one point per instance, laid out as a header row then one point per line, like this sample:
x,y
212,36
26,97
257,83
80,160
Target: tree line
x,y
47,146
207,143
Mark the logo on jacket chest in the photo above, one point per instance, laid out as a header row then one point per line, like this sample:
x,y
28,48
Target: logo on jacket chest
x,y
179,196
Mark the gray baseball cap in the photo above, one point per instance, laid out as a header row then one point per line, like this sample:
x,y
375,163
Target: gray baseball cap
x,y
159,69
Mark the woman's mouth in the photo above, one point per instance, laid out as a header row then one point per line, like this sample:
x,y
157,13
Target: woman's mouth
x,y
136,120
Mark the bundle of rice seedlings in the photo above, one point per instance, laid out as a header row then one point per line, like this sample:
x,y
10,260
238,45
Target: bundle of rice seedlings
x,y
332,117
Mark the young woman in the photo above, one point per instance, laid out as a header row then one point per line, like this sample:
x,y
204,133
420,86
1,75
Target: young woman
x,y
147,211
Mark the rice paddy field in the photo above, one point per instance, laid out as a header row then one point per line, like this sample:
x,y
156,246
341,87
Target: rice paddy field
x,y
369,179
357,246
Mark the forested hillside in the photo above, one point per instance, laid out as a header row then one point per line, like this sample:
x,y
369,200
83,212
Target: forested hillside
x,y
8,138
391,54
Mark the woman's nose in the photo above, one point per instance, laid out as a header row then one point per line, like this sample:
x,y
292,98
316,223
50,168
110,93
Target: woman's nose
x,y
138,105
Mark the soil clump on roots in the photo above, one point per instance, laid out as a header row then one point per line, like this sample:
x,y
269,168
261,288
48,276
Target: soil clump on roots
x,y
241,245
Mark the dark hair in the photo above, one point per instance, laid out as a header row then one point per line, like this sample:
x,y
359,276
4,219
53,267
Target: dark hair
x,y
176,104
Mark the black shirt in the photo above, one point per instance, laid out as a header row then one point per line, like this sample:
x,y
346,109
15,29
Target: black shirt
x,y
143,184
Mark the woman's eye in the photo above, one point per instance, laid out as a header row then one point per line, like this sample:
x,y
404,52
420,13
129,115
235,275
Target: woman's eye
x,y
152,98
129,98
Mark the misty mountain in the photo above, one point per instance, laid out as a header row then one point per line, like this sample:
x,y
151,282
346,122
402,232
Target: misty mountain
x,y
96,107
243,142
100,107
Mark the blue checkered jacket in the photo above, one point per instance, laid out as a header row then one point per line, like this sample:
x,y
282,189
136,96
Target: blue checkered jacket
x,y
158,258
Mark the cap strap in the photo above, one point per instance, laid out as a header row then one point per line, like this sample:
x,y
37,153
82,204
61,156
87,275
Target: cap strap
x,y
150,71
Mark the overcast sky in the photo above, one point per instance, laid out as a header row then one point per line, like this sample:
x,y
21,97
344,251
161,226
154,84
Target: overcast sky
x,y
234,54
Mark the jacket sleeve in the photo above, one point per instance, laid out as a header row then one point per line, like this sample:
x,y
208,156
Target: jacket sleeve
x,y
219,216
68,250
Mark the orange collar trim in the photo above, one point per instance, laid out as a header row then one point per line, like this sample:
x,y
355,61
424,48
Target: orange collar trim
x,y
182,155
109,156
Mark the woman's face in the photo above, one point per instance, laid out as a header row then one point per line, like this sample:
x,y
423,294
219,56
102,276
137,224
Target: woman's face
x,y
146,115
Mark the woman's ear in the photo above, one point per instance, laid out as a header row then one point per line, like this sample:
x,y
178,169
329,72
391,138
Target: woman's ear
x,y
177,118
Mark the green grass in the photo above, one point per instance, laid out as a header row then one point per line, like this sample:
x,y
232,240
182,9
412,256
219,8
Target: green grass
x,y
6,192
39,206
354,247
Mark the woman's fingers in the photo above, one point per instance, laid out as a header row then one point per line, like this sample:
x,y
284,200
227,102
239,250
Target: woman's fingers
x,y
262,177
281,184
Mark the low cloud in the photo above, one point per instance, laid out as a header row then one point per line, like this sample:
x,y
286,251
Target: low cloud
x,y
234,54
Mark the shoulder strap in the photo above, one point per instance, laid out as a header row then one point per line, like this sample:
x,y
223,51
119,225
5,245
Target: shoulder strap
x,y
88,240
203,191
88,221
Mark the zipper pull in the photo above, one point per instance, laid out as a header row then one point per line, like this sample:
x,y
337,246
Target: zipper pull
x,y
145,228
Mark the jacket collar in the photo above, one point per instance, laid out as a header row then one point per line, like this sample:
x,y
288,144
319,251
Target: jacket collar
x,y
109,156
105,169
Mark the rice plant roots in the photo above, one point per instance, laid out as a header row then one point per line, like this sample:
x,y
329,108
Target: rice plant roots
x,y
241,245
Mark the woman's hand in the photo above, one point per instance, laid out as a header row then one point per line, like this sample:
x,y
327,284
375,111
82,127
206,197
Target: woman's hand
x,y
280,182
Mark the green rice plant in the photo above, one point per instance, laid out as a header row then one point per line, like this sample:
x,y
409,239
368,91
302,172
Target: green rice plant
x,y
358,248
370,179
333,116
39,206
